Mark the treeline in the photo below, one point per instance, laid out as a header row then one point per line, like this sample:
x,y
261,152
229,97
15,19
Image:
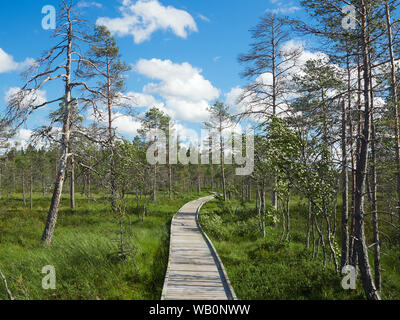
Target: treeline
x,y
327,129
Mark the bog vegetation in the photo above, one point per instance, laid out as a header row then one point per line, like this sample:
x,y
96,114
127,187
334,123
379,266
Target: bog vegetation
x,y
324,193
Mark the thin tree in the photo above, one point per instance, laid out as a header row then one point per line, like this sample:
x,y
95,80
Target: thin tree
x,y
220,120
104,64
263,98
58,63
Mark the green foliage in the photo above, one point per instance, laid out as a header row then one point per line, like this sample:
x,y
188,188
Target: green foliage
x,y
83,251
270,269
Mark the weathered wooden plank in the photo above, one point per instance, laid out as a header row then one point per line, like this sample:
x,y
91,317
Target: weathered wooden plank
x,y
193,271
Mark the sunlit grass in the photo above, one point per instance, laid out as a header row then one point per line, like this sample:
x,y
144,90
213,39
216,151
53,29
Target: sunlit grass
x,y
268,268
84,250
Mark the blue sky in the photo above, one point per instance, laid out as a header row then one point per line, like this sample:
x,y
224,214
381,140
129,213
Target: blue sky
x,y
184,56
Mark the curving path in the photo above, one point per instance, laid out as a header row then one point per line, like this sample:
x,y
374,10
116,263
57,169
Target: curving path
x,y
195,271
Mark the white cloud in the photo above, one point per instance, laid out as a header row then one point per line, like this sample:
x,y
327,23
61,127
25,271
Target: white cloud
x,y
204,18
21,139
232,98
141,100
88,4
284,10
186,93
255,102
305,55
32,99
124,124
283,7
7,63
144,17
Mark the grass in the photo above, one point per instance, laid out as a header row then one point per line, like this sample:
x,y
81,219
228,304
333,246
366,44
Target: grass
x,y
270,269
84,250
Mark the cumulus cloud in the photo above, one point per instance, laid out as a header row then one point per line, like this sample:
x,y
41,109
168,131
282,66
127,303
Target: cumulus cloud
x,y
124,124
141,100
255,102
144,17
34,98
8,64
21,139
232,99
305,55
186,93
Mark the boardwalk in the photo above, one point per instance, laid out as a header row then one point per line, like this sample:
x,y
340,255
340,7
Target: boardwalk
x,y
195,272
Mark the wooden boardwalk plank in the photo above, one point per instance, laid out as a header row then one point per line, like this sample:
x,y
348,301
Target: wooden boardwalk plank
x,y
195,271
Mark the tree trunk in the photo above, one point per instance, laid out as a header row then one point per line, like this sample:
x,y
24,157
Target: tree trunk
x,y
198,179
111,142
360,241
222,161
31,189
375,225
287,209
62,163
263,207
72,184
1,185
395,106
345,189
170,181
89,184
308,225
249,190
23,188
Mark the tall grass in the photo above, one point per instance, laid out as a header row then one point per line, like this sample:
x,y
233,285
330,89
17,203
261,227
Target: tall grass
x,y
271,269
84,251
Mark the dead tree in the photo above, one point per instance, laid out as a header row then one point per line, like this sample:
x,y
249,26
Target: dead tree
x,y
58,63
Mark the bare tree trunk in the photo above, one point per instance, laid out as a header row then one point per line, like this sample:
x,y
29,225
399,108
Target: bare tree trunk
x,y
395,106
263,207
345,186
222,161
72,184
137,201
89,184
198,179
308,225
23,188
154,195
360,241
375,224
10,296
287,210
62,163
43,186
170,181
1,181
111,141
374,190
249,190
31,189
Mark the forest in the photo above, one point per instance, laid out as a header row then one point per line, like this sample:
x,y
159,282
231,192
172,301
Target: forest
x,y
323,198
